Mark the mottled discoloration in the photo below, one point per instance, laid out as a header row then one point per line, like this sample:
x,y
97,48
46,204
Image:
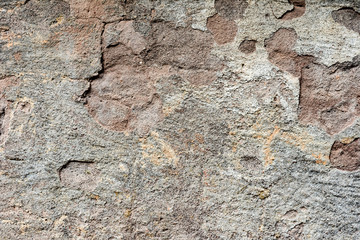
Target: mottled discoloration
x,y
280,49
191,51
124,98
346,156
151,119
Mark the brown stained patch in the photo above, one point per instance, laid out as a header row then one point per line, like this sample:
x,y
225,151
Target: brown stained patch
x,y
231,9
199,77
297,11
184,48
17,56
107,10
345,156
280,49
124,33
248,46
223,30
329,96
123,97
79,175
347,17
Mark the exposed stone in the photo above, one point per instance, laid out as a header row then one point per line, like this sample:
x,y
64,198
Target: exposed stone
x,y
124,98
297,11
108,10
280,49
329,96
248,46
346,156
124,33
191,51
151,119
231,9
223,30
347,17
251,164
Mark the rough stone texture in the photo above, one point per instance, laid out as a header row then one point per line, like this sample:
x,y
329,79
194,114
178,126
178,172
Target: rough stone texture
x,y
224,30
280,48
347,17
297,11
345,156
330,96
149,119
248,46
231,9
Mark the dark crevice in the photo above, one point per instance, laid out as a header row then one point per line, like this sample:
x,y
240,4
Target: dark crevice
x,y
60,169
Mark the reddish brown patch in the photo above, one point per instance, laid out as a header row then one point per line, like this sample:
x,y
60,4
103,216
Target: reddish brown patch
x,y
231,9
123,97
297,11
184,48
124,33
329,96
198,77
346,156
280,48
107,10
248,46
223,30
347,17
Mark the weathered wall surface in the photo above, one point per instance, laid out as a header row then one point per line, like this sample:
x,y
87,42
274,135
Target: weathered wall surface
x,y
154,119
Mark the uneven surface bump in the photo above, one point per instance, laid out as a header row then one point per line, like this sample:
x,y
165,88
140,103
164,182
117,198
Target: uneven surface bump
x,y
346,156
81,175
248,46
223,30
124,97
231,9
347,17
280,49
329,96
297,11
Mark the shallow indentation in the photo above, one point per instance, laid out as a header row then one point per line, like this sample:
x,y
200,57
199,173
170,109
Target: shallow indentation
x,y
79,175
